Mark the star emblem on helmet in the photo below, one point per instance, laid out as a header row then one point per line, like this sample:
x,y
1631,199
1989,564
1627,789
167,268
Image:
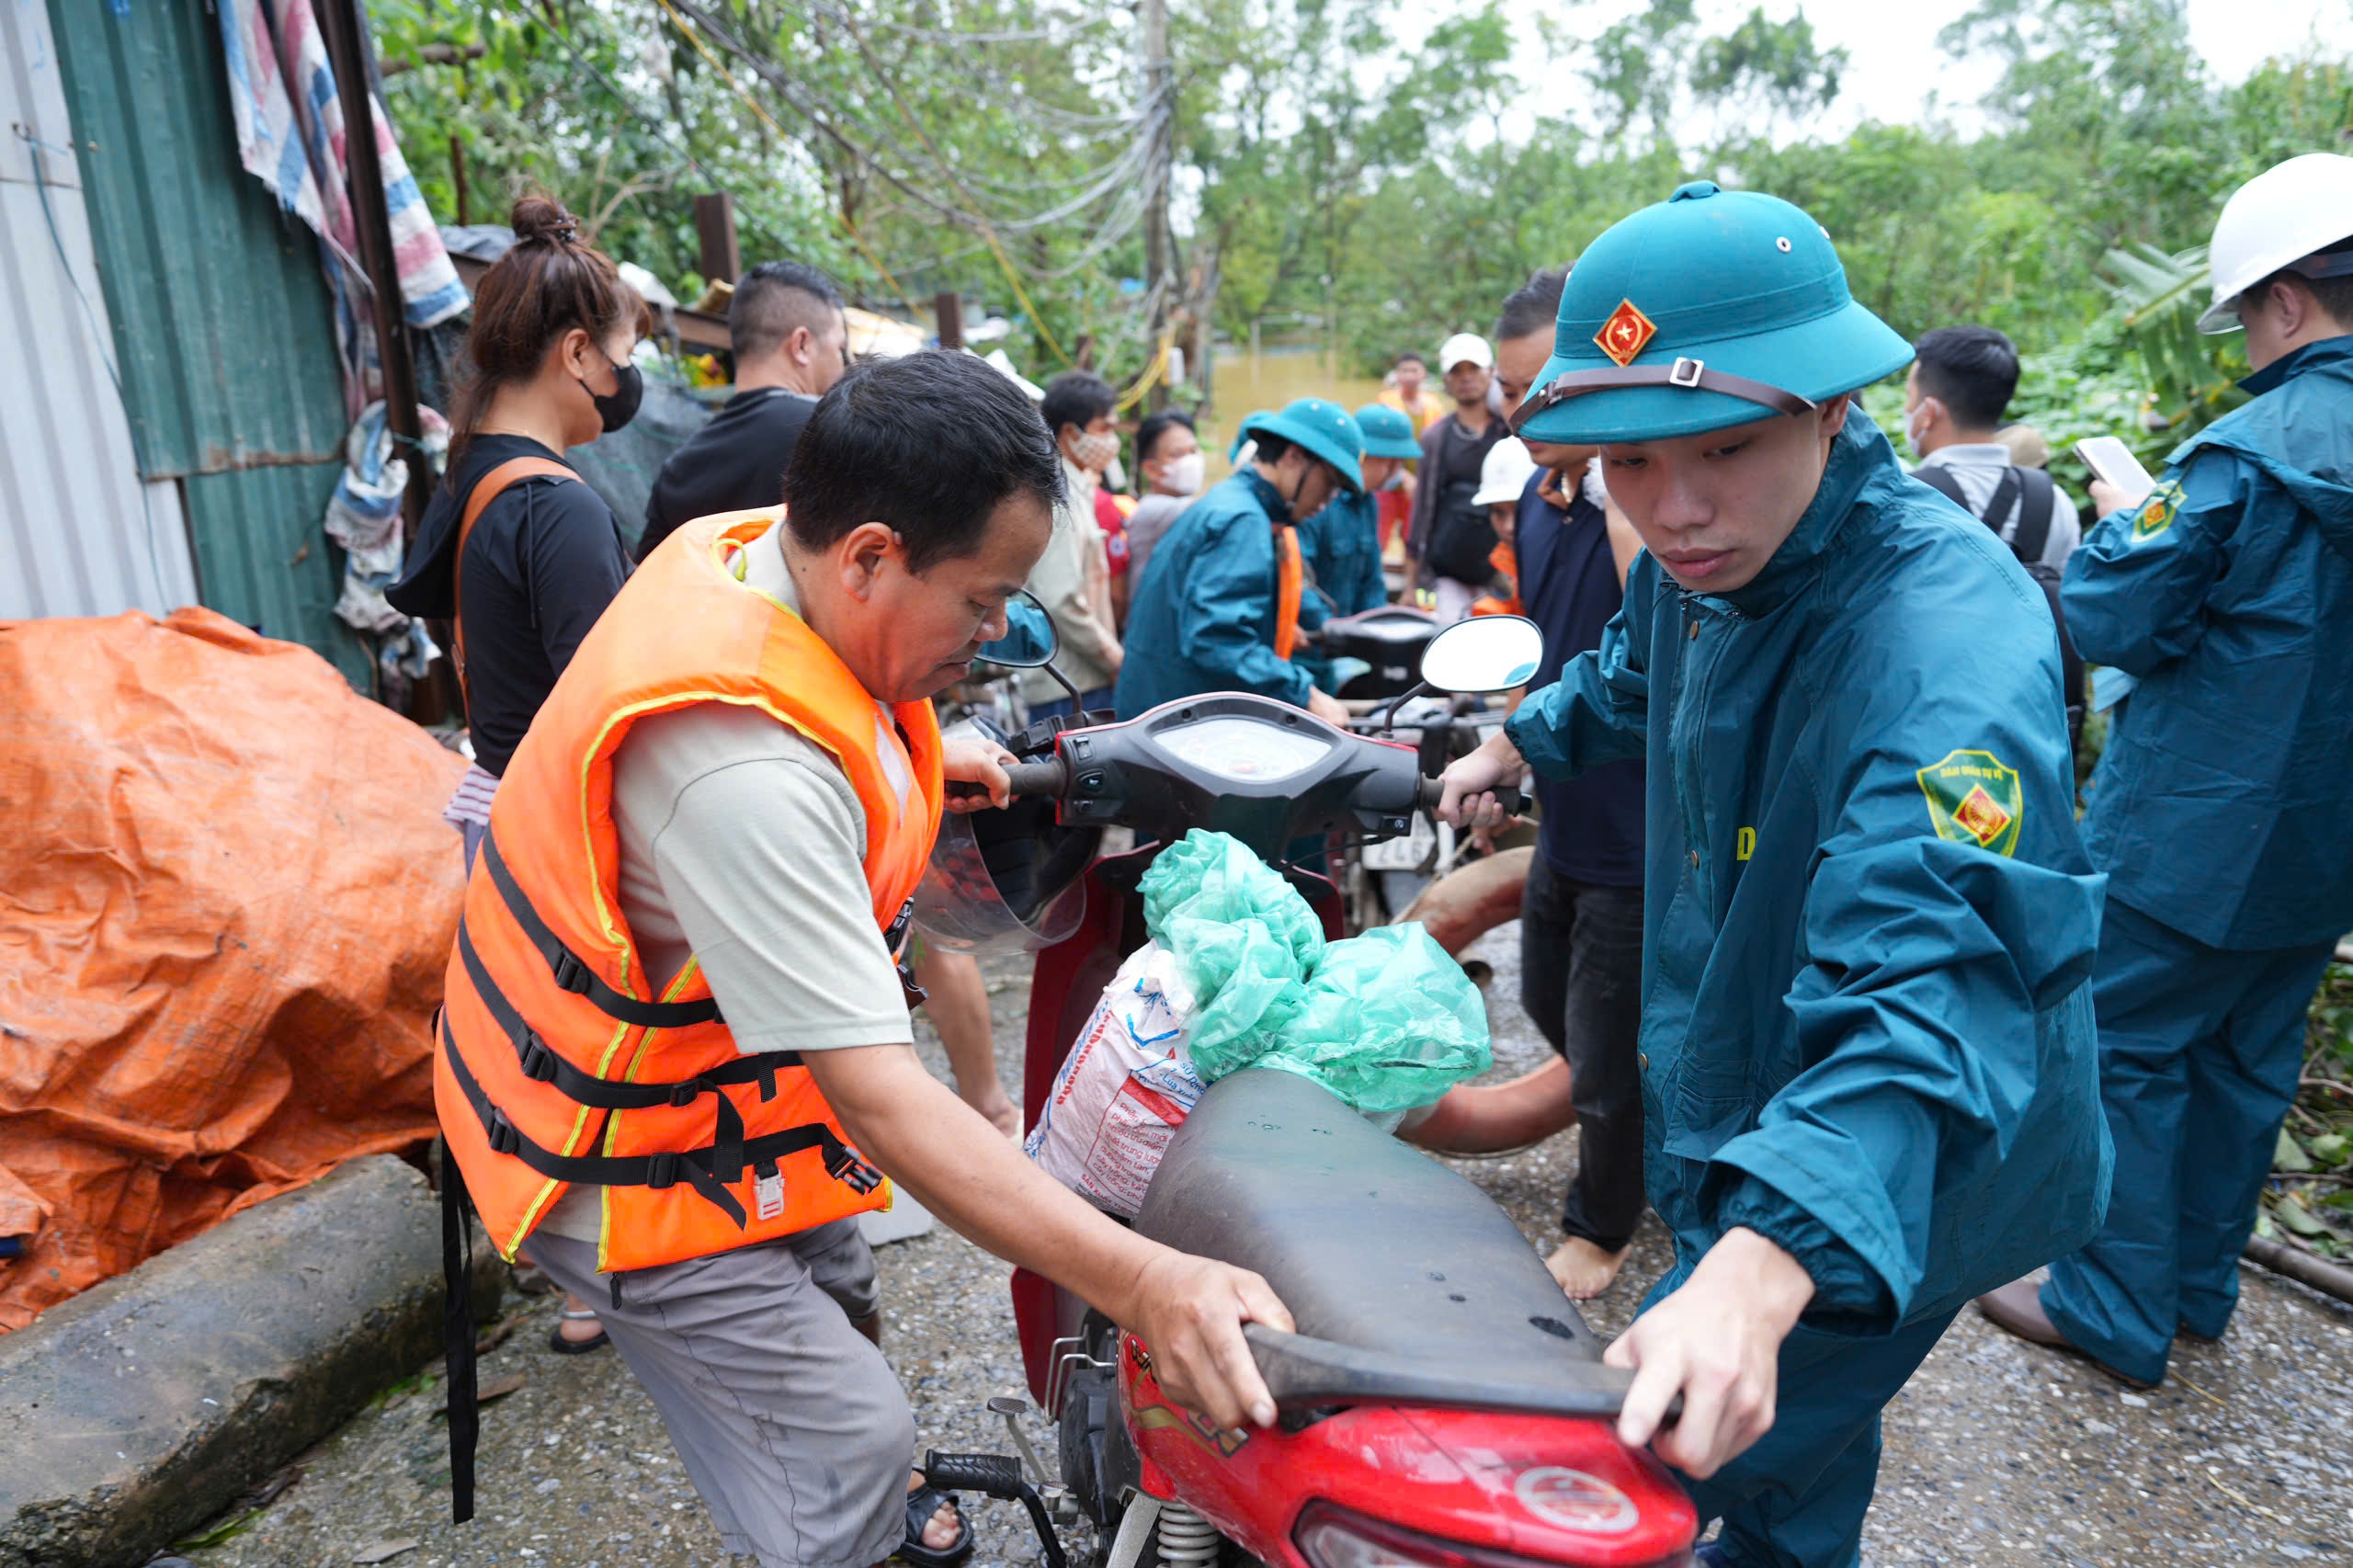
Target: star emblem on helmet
x,y
1626,334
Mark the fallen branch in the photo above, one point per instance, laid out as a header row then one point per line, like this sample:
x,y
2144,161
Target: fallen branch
x,y
2305,1267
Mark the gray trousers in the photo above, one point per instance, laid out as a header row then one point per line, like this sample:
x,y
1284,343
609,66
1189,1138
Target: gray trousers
x,y
791,1426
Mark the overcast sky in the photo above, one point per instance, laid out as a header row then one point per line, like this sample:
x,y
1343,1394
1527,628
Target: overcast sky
x,y
1894,65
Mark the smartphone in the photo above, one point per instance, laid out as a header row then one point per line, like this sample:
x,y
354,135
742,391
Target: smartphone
x,y
2112,462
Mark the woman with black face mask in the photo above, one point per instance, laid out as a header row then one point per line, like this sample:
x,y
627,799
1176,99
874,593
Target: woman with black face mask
x,y
515,550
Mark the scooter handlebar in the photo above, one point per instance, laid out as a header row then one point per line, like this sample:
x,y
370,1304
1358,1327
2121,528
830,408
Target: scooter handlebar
x,y
1434,791
1050,777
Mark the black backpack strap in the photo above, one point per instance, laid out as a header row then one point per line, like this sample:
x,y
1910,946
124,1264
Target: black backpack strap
x,y
2038,509
1998,506
1939,478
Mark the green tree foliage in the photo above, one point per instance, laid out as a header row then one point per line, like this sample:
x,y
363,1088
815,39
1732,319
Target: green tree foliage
x,y
1334,181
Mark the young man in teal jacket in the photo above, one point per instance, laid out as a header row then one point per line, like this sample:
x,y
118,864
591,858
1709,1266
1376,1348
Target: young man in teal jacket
x,y
2222,810
1222,604
1867,1051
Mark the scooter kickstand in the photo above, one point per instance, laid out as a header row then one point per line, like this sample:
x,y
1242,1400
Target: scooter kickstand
x,y
1135,1531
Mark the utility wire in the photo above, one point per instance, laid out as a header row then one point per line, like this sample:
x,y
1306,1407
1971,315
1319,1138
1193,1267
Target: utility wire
x,y
849,228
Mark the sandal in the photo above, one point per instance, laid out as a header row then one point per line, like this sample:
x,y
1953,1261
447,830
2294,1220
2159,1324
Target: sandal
x,y
563,1346
922,1504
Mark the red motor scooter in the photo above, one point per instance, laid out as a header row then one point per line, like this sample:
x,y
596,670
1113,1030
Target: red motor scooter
x,y
1442,1404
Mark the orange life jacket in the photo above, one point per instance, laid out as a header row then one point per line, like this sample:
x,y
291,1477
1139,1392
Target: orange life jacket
x,y
558,1062
1290,586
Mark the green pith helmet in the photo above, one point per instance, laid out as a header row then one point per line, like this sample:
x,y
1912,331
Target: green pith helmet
x,y
1711,309
1322,428
1387,432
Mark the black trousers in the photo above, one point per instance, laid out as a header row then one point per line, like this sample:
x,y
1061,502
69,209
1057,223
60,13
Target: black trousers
x,y
1581,980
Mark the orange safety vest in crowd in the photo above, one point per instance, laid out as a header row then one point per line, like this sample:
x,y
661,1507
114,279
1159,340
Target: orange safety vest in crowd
x,y
1291,587
558,1064
1505,561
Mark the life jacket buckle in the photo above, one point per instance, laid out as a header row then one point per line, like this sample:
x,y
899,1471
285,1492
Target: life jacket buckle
x,y
503,1138
539,1063
685,1093
843,1164
662,1171
570,973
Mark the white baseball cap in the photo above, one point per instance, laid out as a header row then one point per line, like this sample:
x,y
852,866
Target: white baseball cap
x,y
1465,349
1505,473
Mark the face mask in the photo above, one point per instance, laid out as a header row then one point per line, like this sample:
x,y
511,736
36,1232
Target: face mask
x,y
619,406
1183,476
1914,424
1095,452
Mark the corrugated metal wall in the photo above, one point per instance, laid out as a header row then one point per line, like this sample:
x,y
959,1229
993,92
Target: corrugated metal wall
x,y
221,316
79,532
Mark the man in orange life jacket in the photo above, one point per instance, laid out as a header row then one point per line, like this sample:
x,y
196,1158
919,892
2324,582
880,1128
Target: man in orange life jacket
x,y
675,1037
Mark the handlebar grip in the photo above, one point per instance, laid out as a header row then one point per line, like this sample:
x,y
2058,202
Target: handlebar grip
x,y
1048,777
991,1475
1433,791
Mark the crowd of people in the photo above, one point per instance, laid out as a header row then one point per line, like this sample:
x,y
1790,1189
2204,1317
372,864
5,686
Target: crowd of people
x,y
1847,995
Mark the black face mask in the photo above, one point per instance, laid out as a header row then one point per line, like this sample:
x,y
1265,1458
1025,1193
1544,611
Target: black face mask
x,y
619,406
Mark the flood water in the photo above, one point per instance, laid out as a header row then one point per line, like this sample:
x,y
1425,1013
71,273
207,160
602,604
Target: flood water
x,y
1242,386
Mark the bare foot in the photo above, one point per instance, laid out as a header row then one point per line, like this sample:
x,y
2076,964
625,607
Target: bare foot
x,y
1584,1270
578,1330
940,1530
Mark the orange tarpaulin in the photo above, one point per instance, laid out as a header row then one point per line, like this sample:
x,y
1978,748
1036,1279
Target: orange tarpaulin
x,y
226,897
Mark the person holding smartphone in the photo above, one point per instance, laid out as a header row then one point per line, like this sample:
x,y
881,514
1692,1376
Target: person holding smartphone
x,y
2222,808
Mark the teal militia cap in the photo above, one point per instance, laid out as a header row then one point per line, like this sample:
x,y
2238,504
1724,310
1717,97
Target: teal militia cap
x,y
1711,309
1387,432
1319,426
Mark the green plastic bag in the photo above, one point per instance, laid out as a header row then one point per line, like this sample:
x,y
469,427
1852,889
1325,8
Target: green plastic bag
x,y
1389,1022
1243,939
1386,1021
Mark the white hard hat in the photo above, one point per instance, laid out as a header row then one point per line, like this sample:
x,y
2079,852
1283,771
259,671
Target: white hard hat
x,y
2275,220
1465,349
1505,473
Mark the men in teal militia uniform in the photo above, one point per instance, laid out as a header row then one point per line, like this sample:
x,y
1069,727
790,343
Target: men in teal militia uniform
x,y
2222,808
1208,614
1867,1050
1341,544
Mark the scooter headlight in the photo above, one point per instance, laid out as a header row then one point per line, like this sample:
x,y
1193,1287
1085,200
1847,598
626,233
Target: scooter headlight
x,y
1332,1537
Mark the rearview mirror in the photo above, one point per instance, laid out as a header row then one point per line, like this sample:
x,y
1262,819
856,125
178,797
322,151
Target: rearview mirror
x,y
1486,653
1030,638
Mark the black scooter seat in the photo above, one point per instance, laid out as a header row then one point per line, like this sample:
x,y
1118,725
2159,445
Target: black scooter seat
x,y
1407,1283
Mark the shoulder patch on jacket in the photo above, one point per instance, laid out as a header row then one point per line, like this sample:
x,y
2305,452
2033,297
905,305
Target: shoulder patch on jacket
x,y
2157,513
1972,798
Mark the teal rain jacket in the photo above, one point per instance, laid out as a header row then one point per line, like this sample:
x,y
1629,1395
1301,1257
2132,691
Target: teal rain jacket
x,y
1342,545
1869,924
1203,618
2224,804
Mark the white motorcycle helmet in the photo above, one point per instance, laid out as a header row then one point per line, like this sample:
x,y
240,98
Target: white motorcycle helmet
x,y
2275,222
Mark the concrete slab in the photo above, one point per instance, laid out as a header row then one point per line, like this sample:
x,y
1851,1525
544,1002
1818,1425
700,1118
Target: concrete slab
x,y
141,1408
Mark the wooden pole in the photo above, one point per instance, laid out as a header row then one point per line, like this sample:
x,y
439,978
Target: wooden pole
x,y
457,176
344,26
722,260
950,308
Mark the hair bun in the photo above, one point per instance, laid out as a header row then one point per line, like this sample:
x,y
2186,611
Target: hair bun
x,y
537,218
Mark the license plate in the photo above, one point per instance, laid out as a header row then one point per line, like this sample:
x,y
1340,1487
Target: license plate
x,y
1406,854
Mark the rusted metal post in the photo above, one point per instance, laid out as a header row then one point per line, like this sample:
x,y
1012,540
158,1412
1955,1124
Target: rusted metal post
x,y
950,308
722,259
344,24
